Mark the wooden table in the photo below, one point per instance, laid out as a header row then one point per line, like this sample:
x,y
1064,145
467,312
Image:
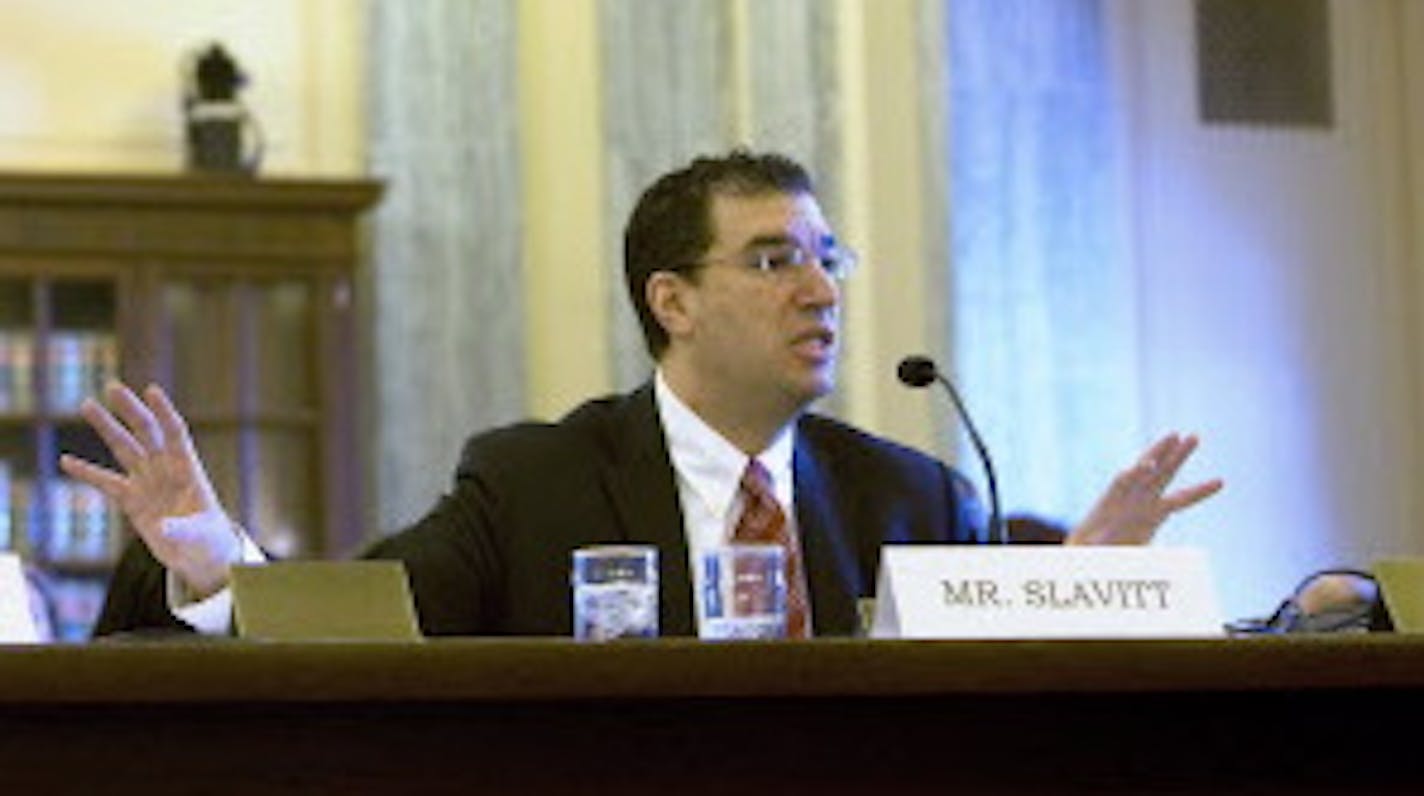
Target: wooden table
x,y
1305,714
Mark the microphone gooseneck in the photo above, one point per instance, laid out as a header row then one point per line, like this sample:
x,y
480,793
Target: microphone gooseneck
x,y
920,371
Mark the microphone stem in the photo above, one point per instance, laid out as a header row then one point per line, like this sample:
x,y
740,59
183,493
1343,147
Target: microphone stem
x,y
997,531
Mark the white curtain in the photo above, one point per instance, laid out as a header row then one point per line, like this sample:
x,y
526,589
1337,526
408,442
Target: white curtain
x,y
794,102
445,286
671,89
666,98
1043,319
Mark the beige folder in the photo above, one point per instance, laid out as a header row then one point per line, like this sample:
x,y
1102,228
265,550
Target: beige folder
x,y
1401,581
324,601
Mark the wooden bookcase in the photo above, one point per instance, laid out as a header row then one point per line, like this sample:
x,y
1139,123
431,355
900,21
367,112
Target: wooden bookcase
x,y
236,295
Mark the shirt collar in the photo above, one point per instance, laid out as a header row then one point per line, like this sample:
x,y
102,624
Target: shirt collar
x,y
708,461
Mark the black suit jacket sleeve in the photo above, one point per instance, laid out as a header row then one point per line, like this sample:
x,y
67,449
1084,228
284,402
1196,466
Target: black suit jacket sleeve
x,y
137,599
493,556
453,554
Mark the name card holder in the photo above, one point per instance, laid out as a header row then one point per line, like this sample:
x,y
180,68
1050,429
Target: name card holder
x,y
1034,591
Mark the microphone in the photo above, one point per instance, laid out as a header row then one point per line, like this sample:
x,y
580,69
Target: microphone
x,y
920,371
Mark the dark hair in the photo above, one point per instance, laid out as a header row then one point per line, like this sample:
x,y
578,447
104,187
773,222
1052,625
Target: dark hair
x,y
671,226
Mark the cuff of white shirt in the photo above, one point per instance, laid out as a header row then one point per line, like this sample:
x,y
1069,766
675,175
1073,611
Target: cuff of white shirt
x,y
212,615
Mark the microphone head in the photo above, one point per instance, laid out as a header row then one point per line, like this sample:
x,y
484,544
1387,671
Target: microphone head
x,y
916,371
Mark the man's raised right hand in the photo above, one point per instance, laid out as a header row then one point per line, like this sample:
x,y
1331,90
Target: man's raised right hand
x,y
162,487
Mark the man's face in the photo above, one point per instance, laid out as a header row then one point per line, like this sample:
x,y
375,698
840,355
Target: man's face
x,y
764,338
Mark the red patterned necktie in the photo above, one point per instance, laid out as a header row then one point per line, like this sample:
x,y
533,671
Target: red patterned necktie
x,y
763,521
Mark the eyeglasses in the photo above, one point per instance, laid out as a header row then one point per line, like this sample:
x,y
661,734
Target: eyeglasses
x,y
785,260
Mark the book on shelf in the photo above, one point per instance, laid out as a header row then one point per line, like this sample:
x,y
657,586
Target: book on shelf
x,y
77,364
74,606
17,351
8,539
78,526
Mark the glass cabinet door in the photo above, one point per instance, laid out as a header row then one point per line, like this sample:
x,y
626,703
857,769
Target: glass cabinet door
x,y
17,430
232,294
240,357
58,345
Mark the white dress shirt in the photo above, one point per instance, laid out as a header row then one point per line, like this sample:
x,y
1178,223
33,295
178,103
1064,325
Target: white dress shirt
x,y
211,616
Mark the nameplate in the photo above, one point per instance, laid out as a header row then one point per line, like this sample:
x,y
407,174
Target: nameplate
x,y
324,601
17,623
1035,591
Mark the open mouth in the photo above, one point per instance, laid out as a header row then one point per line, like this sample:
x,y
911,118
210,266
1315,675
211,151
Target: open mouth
x,y
817,343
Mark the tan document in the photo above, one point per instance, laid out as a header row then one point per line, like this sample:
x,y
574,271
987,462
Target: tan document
x,y
324,601
1401,581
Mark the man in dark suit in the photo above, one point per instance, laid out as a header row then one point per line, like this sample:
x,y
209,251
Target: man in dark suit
x,y
735,275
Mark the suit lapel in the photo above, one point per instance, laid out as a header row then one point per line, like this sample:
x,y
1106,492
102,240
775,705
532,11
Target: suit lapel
x,y
831,570
643,489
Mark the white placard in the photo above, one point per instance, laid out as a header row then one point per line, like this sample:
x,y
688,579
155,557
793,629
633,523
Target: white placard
x,y
17,624
1040,591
